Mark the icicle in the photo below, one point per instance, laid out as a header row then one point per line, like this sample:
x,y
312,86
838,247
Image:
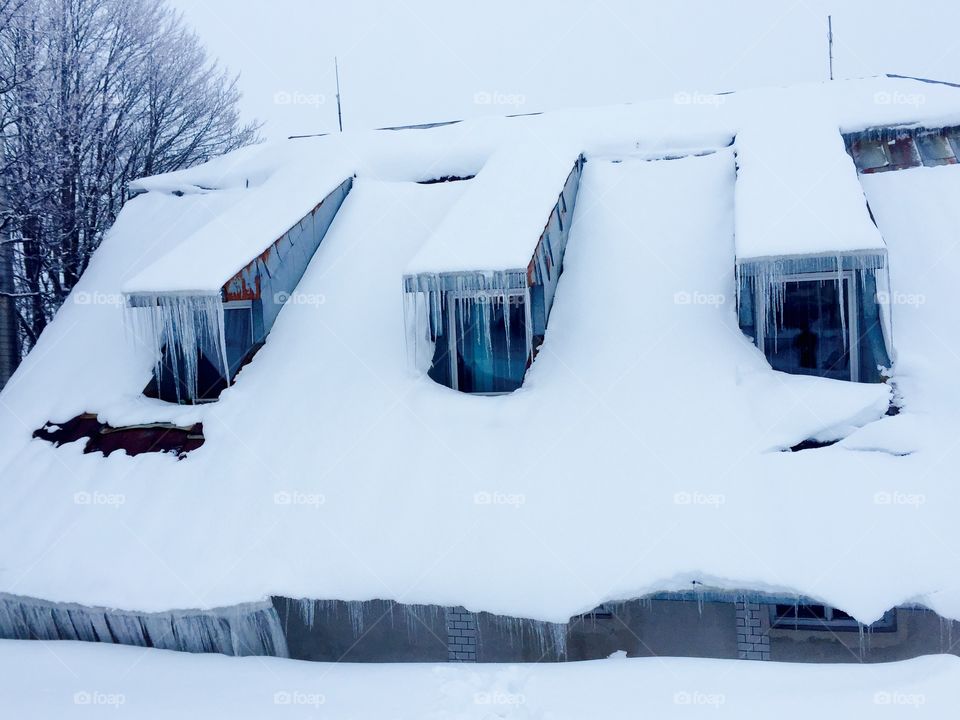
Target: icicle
x,y
307,611
842,291
250,629
355,612
186,325
767,278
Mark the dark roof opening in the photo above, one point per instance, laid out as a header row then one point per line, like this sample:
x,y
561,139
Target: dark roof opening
x,y
132,439
445,179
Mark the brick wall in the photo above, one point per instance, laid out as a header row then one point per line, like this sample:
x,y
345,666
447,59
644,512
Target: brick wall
x,y
461,635
753,631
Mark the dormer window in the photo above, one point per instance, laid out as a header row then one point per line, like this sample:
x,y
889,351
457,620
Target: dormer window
x,y
870,155
176,381
953,136
484,345
203,340
935,149
478,331
818,315
886,149
902,153
811,338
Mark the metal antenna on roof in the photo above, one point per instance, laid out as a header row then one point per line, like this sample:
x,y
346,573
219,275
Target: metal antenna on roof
x,y
336,70
829,38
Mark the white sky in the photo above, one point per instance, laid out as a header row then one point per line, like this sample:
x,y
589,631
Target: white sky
x,y
404,61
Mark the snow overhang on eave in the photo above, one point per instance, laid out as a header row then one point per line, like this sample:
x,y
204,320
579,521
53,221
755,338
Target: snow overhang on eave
x,y
782,265
466,281
153,299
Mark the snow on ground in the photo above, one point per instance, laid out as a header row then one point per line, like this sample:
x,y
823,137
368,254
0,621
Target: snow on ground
x,y
649,426
68,679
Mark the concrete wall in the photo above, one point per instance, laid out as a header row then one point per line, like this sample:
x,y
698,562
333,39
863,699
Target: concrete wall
x,y
647,628
372,631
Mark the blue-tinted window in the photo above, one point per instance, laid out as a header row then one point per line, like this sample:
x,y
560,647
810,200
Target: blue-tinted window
x,y
811,334
935,150
491,343
870,155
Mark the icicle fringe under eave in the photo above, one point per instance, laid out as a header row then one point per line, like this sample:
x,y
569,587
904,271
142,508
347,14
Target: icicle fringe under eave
x,y
768,277
425,296
249,629
187,323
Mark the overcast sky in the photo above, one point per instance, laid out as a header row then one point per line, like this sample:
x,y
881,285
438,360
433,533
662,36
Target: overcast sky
x,y
405,61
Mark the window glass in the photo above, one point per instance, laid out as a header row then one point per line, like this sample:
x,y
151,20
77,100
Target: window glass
x,y
491,343
954,137
934,149
238,328
903,153
809,335
869,155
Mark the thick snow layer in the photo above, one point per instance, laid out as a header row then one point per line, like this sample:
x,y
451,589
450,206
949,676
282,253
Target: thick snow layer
x,y
496,226
66,679
203,263
649,426
918,213
797,190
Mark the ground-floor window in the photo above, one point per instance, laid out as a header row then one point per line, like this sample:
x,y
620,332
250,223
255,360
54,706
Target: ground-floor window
x,y
790,616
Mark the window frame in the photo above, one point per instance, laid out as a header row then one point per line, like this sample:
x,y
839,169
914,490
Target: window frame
x,y
852,314
451,329
887,623
949,160
857,155
953,138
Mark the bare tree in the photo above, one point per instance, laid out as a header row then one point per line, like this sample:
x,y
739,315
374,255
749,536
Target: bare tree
x,y
95,93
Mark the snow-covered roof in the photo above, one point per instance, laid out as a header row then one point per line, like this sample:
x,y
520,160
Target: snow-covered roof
x,y
497,224
797,191
276,199
643,450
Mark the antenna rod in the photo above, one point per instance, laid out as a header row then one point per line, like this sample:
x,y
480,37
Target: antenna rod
x,y
336,70
830,38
